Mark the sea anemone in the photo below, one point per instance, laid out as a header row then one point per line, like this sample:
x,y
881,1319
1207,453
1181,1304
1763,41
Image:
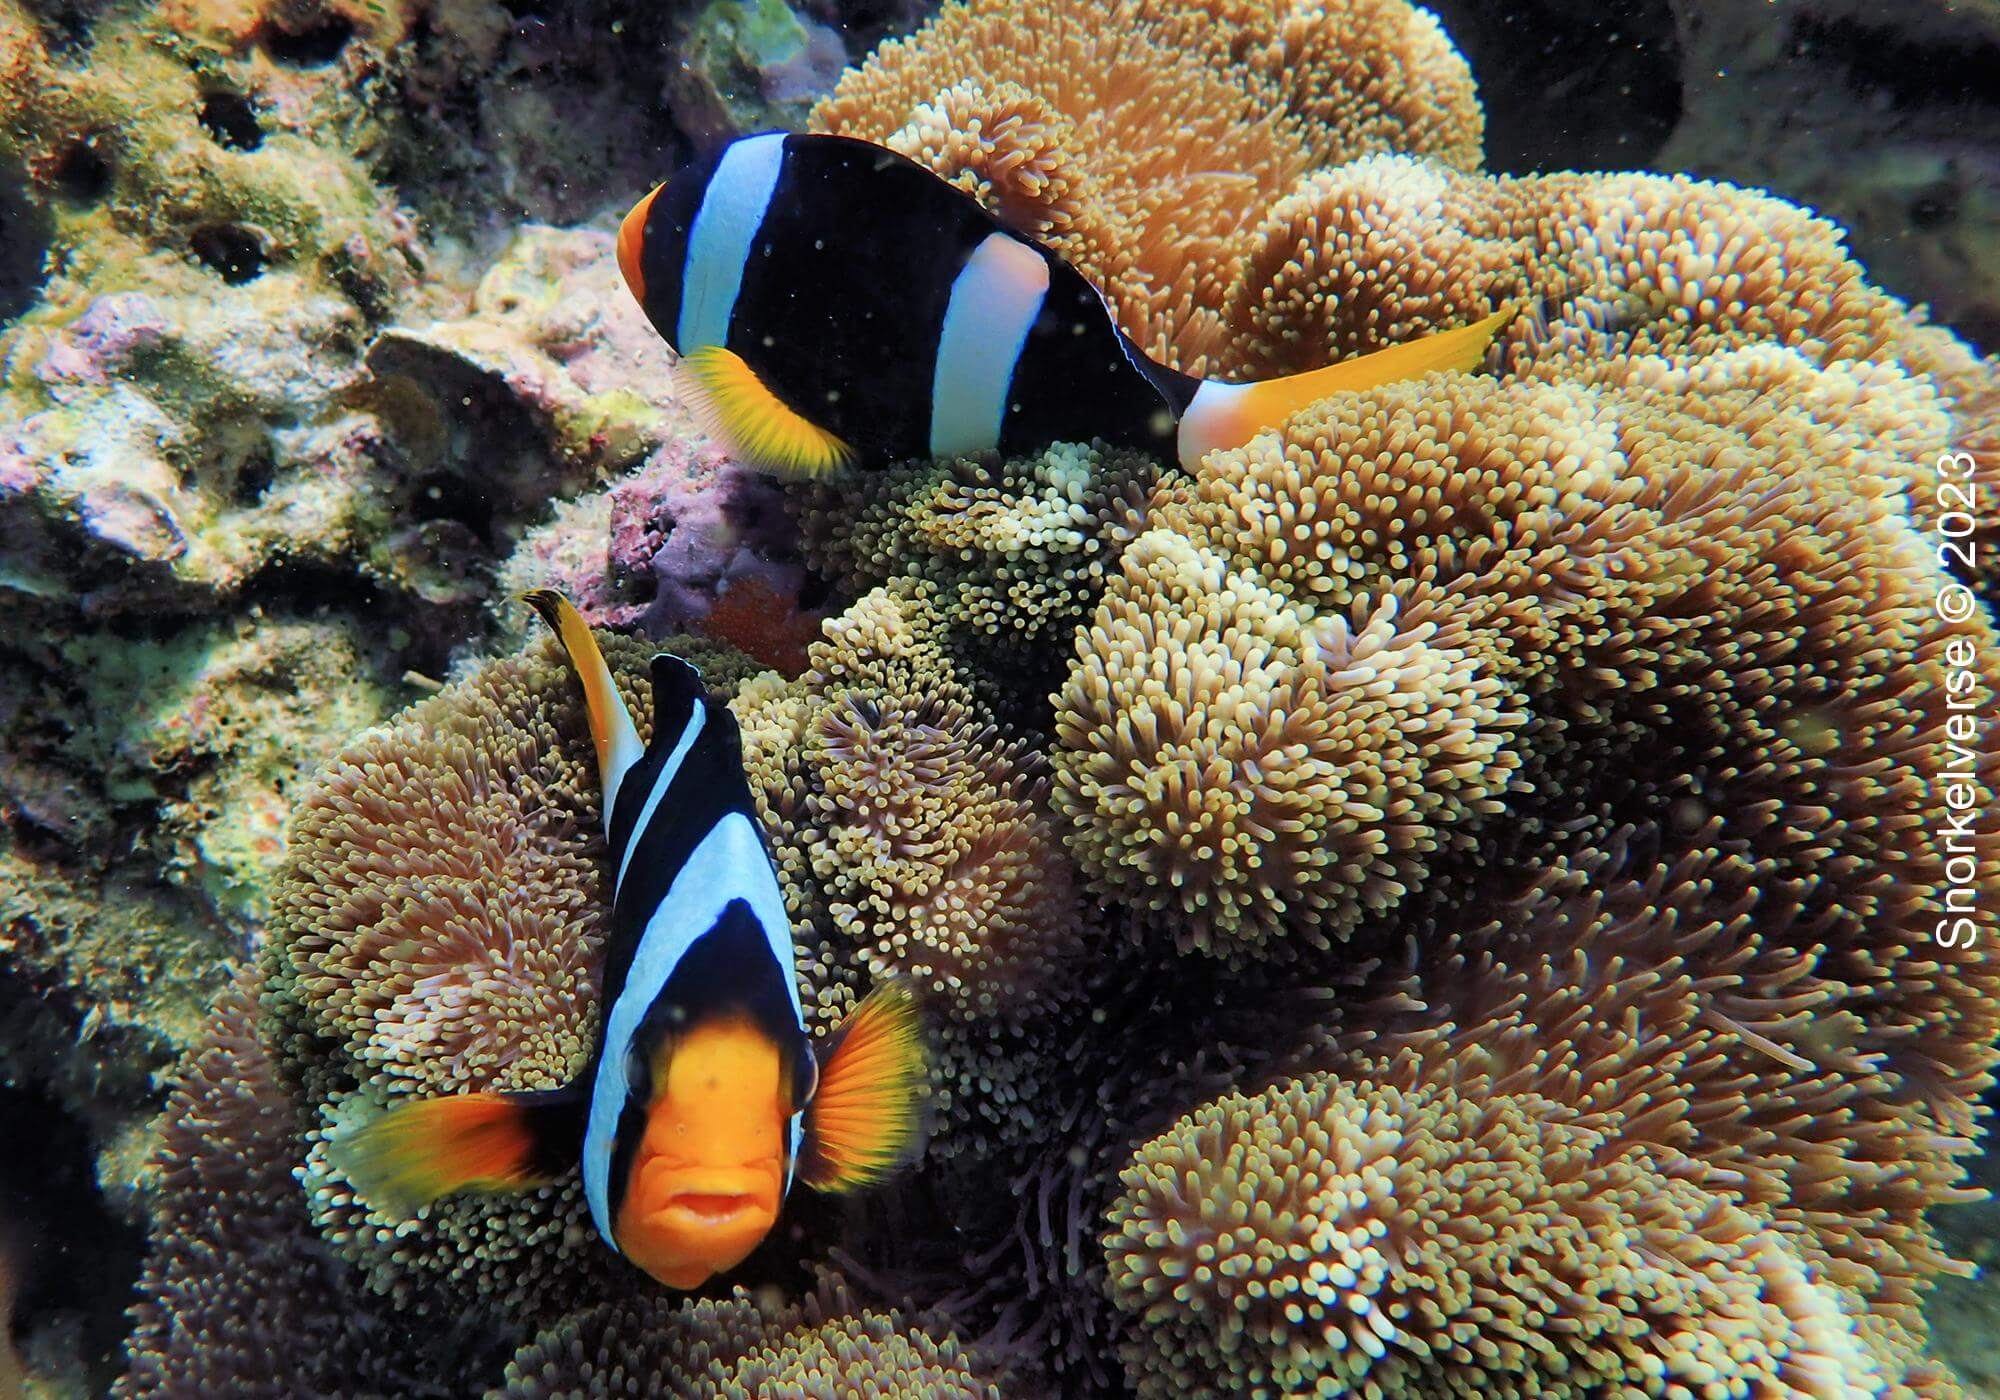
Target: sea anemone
x,y
872,1356
644,1346
1252,769
1626,1102
919,823
825,1347
1018,551
237,1297
1051,115
1400,1237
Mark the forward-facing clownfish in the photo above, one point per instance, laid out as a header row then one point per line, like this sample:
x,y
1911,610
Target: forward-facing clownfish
x,y
704,1099
835,303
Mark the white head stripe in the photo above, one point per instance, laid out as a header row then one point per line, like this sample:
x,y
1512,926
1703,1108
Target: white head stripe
x,y
719,244
729,863
994,301
696,718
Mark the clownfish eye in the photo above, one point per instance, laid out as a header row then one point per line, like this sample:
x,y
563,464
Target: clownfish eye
x,y
805,1076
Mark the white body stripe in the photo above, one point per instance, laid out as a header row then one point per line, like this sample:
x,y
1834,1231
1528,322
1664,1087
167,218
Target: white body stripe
x,y
994,301
1212,420
689,734
729,863
720,242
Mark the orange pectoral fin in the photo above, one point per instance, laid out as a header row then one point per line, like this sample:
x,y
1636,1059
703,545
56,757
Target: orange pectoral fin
x,y
865,1119
738,407
417,1152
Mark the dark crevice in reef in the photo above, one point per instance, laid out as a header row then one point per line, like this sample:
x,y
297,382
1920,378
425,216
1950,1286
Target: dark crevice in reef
x,y
25,234
230,250
410,634
254,475
65,24
1883,61
311,47
1570,86
83,176
70,1263
73,1265
448,496
230,119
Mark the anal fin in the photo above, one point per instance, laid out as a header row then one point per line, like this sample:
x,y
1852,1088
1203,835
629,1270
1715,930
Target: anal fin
x,y
739,408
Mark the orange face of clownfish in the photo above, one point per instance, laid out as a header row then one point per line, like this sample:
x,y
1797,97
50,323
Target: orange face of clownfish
x,y
705,1099
708,1175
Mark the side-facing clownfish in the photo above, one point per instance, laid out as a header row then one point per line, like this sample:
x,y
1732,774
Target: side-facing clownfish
x,y
704,1099
834,303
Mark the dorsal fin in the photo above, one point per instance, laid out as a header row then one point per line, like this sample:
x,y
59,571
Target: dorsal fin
x,y
611,729
677,689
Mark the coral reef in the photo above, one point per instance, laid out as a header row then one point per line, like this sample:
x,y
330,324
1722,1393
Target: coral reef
x,y
664,548
146,787
1443,899
209,296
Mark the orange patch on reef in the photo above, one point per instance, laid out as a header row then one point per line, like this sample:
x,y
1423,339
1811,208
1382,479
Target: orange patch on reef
x,y
764,624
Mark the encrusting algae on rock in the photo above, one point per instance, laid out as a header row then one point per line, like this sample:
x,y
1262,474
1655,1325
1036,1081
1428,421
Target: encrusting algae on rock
x,y
1433,901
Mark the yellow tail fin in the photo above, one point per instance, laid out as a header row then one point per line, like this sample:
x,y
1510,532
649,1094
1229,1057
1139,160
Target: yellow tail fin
x,y
865,1119
1229,415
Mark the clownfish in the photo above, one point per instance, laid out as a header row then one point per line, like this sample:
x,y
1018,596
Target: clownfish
x,y
834,303
704,1099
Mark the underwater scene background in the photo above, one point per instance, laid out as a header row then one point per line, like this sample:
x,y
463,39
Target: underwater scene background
x,y
1486,888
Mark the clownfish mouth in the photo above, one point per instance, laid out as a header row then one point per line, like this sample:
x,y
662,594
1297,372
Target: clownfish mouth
x,y
685,1222
711,1206
712,1197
